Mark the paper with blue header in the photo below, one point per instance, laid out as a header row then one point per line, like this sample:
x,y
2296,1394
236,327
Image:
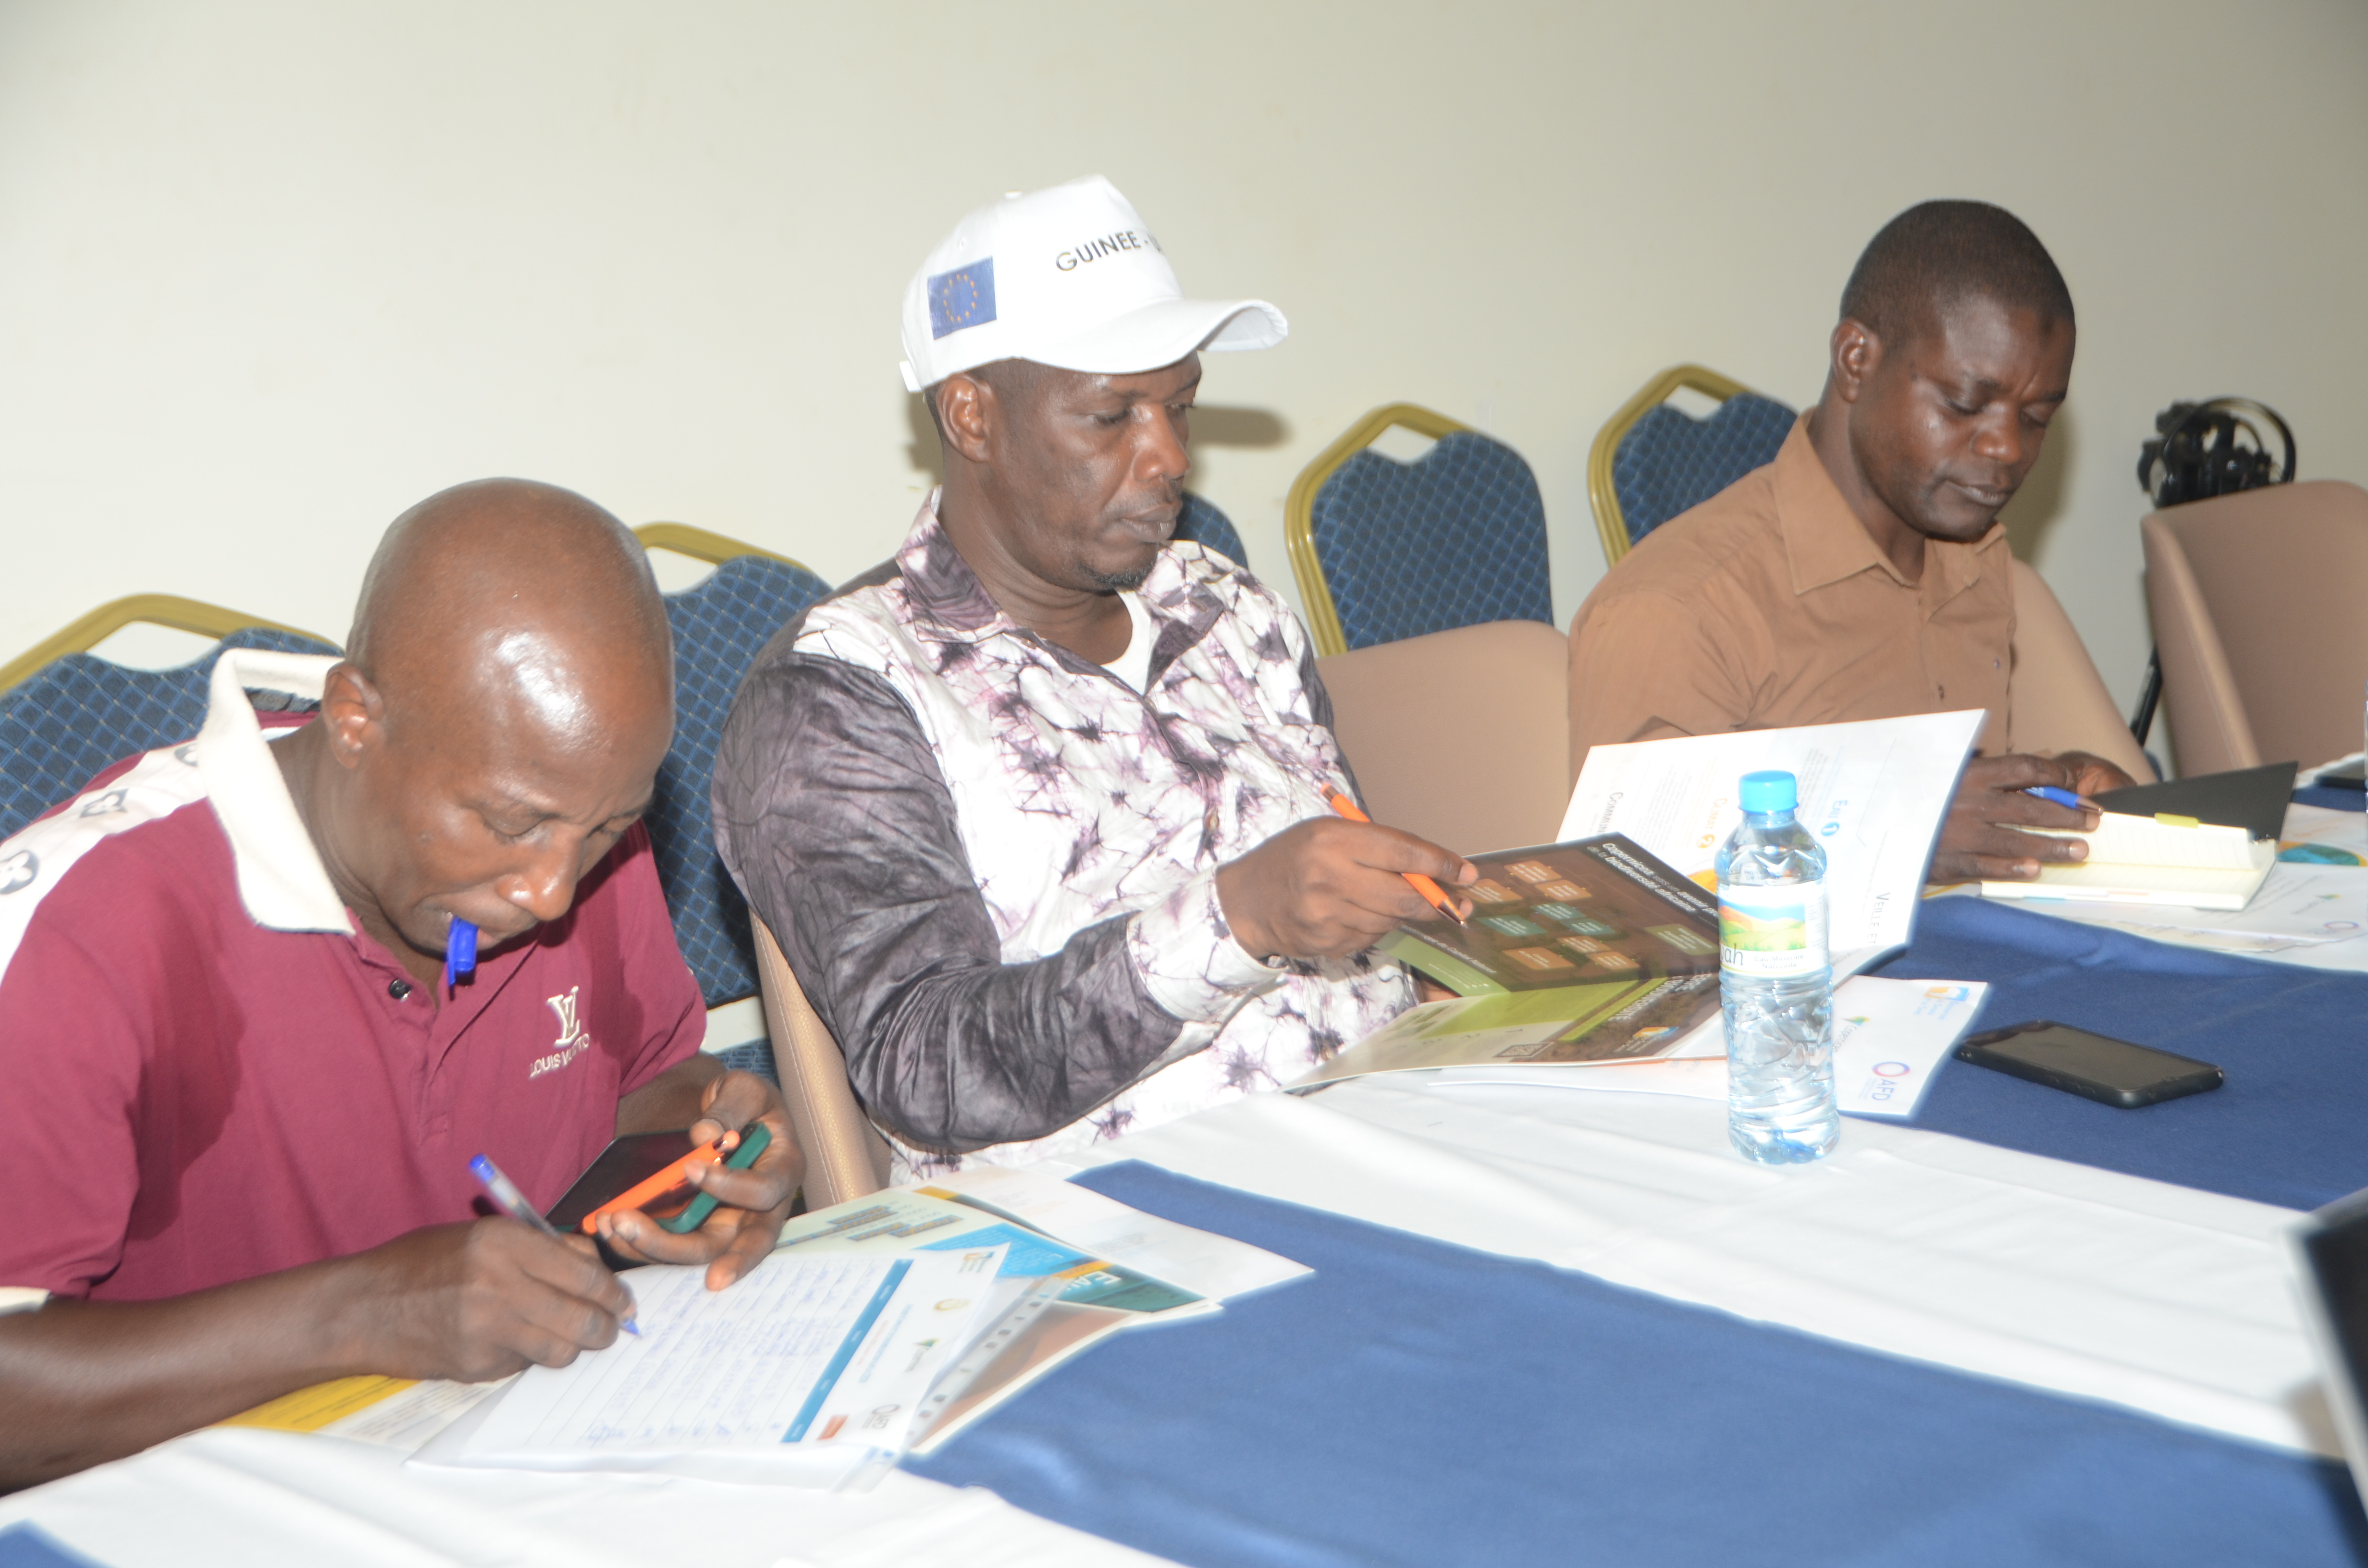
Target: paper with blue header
x,y
805,1371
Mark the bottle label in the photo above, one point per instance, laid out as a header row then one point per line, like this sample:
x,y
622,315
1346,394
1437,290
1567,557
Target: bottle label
x,y
1772,933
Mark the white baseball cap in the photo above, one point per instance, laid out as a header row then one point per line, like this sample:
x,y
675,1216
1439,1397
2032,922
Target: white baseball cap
x,y
1068,277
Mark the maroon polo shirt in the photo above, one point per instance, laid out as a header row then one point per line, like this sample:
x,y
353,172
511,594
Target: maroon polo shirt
x,y
194,1096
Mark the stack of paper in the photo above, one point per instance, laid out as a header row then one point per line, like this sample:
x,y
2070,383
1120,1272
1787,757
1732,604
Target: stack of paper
x,y
2299,910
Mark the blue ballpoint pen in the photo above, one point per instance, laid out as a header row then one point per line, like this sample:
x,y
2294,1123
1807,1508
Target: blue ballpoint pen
x,y
506,1197
2050,792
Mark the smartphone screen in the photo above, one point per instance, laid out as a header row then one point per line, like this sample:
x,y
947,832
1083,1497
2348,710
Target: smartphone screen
x,y
2097,1066
623,1165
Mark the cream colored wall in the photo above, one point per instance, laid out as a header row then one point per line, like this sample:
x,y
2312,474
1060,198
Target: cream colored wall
x,y
270,272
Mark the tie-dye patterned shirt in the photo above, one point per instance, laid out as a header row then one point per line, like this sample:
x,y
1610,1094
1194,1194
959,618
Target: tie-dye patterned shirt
x,y
993,864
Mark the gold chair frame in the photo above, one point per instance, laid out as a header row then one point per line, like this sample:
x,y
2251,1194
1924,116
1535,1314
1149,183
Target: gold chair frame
x,y
171,610
1298,511
1602,495
700,544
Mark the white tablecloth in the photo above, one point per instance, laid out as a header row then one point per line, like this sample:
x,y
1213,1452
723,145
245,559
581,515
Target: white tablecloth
x,y
2165,1299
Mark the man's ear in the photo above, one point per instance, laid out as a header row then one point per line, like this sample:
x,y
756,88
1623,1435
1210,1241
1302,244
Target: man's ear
x,y
966,415
1857,352
353,712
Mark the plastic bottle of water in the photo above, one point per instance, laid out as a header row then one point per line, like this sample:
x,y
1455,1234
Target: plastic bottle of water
x,y
1775,981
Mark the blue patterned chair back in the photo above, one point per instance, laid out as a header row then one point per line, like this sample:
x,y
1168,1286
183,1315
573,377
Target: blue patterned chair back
x,y
63,725
720,626
1204,524
1457,538
1669,461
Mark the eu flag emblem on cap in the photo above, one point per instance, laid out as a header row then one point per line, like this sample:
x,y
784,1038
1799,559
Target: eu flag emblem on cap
x,y
964,297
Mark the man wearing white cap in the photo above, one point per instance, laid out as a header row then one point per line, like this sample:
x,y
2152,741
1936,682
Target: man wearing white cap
x,y
1037,808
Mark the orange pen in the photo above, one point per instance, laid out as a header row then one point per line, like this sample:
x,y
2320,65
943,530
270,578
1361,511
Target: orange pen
x,y
676,1174
1343,806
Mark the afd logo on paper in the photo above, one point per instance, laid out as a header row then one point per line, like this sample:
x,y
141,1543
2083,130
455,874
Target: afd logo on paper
x,y
964,297
1886,1081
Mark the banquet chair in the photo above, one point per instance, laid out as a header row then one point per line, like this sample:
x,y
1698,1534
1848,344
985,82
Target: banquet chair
x,y
2060,700
846,1156
1202,523
719,626
1459,737
1651,461
2256,598
1383,550
66,714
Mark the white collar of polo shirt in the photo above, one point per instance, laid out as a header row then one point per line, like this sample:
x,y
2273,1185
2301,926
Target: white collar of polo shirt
x,y
280,878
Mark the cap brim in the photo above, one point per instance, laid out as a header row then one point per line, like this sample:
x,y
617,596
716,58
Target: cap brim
x,y
1159,334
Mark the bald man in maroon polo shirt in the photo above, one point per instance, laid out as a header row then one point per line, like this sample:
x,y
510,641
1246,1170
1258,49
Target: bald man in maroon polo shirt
x,y
241,1100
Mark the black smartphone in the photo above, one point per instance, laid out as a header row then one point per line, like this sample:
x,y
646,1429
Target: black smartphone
x,y
624,1164
2094,1066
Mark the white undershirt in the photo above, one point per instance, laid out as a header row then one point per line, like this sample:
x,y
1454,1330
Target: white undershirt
x,y
1133,667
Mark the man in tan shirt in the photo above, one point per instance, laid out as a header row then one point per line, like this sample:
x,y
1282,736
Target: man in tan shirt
x,y
1863,575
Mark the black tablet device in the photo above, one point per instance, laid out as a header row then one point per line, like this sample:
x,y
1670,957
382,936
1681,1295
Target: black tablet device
x,y
2251,798
2330,1253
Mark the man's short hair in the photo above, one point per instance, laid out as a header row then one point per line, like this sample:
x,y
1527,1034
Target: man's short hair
x,y
1938,252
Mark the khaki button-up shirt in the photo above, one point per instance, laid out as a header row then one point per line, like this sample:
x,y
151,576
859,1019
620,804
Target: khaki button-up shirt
x,y
1769,605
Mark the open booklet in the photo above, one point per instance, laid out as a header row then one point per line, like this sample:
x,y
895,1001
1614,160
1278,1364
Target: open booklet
x,y
1873,794
1603,950
1562,915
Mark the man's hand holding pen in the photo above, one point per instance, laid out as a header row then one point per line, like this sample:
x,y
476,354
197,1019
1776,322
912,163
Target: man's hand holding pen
x,y
1327,888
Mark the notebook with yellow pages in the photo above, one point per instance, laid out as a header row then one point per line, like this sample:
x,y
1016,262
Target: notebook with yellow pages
x,y
2201,843
2164,859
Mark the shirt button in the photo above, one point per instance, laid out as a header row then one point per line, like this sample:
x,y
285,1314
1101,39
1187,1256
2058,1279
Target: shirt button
x,y
398,989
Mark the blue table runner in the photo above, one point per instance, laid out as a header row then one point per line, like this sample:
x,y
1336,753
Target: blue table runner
x,y
1416,1402
2289,1127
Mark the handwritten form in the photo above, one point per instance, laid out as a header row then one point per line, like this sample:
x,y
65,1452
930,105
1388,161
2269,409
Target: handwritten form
x,y
802,1351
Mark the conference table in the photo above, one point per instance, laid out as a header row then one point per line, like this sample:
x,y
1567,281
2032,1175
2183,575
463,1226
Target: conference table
x,y
1563,1325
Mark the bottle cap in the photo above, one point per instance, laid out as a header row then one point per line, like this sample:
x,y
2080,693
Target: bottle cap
x,y
1769,791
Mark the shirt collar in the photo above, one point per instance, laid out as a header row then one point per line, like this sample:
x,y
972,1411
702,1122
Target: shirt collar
x,y
280,878
1825,543
949,604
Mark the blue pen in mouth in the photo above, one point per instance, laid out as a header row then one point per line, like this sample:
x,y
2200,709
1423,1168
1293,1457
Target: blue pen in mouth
x,y
459,953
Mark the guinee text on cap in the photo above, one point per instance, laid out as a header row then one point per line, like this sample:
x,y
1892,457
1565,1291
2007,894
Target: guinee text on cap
x,y
1069,277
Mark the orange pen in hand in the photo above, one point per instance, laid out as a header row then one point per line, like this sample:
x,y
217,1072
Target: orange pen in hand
x,y
1343,806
